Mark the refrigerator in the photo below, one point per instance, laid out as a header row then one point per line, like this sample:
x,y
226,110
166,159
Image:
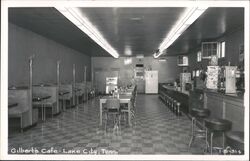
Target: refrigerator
x,y
151,82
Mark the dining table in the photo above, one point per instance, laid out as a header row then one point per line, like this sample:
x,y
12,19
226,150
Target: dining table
x,y
77,94
124,99
62,93
12,104
40,100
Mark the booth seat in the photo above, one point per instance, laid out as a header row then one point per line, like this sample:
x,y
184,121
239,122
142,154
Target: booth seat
x,y
69,95
82,91
23,110
90,90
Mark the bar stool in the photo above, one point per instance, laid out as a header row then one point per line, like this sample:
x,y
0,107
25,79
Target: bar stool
x,y
171,103
217,125
168,101
198,116
235,139
178,112
174,106
164,98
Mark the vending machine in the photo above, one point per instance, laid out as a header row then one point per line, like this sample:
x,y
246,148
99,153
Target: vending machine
x,y
212,77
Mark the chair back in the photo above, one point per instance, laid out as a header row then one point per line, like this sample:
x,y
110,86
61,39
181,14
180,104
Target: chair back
x,y
113,104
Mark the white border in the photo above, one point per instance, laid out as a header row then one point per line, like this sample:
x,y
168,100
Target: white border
x,y
77,3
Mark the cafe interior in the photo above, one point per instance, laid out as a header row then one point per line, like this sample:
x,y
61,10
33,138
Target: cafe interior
x,y
127,80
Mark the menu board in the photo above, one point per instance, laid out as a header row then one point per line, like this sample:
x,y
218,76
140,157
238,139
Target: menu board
x,y
212,77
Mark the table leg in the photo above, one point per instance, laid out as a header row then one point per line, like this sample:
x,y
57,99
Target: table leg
x,y
64,104
100,113
42,112
87,95
129,114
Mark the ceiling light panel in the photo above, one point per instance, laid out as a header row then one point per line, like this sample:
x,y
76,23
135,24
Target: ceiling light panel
x,y
189,16
79,20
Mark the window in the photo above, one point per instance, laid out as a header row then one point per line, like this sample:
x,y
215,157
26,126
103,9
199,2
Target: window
x,y
208,49
182,60
199,56
222,47
193,73
197,73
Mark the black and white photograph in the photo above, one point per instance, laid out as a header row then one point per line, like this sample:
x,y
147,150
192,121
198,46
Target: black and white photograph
x,y
140,80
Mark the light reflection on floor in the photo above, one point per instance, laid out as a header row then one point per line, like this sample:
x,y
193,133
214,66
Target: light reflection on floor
x,y
155,130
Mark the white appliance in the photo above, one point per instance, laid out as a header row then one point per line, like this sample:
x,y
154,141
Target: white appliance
x,y
230,74
151,82
111,84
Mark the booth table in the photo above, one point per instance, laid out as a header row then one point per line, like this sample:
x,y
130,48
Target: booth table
x,y
61,97
39,100
12,104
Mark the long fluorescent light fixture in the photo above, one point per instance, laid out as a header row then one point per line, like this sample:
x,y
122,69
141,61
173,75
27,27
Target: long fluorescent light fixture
x,y
190,15
78,19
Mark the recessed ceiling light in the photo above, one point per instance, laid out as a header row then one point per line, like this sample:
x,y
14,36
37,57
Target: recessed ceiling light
x,y
162,60
127,50
139,56
136,18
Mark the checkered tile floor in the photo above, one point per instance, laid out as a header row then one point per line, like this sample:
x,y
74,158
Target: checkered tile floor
x,y
155,130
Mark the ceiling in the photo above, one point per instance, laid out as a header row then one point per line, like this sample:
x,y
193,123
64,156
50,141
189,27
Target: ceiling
x,y
213,24
138,29
52,24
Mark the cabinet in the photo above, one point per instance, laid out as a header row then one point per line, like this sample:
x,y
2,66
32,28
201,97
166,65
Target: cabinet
x,y
226,106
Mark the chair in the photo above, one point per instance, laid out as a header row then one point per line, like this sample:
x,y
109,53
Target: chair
x,y
113,110
124,109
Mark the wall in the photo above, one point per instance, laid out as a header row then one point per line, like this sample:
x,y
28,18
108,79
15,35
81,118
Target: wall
x,y
167,70
233,41
24,43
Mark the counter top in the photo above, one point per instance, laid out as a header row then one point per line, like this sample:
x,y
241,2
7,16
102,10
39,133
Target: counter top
x,y
174,89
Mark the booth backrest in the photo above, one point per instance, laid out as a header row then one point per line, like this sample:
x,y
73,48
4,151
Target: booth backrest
x,y
67,87
22,97
48,91
81,86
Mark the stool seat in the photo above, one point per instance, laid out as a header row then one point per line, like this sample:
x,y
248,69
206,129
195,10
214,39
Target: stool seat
x,y
235,139
200,112
215,124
